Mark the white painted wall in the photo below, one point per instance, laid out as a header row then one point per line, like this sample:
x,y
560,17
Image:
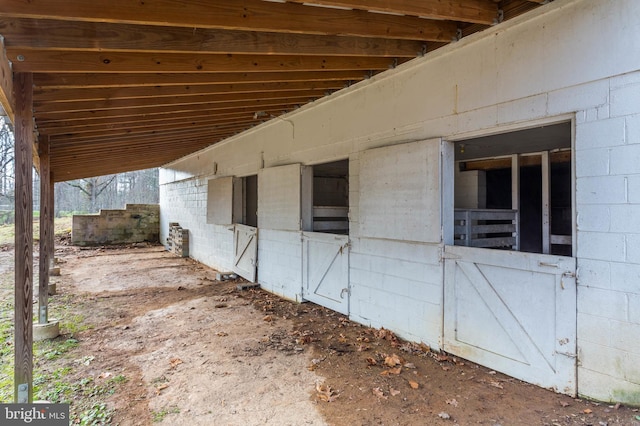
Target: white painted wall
x,y
570,58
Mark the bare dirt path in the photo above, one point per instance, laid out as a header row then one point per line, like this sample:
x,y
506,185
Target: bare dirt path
x,y
200,352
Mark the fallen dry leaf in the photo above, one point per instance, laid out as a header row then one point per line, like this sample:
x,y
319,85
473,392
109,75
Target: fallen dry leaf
x,y
325,393
414,385
392,360
452,401
394,392
587,411
378,392
104,375
267,318
371,361
496,385
441,357
564,404
394,371
175,362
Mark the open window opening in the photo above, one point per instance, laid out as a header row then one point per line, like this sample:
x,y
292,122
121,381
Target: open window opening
x,y
245,203
330,196
513,191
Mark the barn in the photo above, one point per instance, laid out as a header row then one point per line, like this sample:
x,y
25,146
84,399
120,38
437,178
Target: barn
x,y
479,197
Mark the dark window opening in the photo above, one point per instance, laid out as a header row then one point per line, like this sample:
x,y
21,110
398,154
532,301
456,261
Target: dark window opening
x,y
540,220
331,197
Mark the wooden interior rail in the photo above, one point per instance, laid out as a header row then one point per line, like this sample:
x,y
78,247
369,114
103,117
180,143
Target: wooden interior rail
x,y
493,228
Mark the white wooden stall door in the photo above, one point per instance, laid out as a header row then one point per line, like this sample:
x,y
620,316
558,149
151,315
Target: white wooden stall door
x,y
325,270
279,198
513,312
245,247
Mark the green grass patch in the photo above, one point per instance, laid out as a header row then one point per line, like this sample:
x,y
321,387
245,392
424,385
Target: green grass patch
x,y
61,225
158,416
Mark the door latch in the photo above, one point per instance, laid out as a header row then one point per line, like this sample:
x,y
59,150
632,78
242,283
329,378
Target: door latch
x,y
566,275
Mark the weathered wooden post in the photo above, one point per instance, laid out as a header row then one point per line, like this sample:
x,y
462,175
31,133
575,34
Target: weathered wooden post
x,y
24,137
46,328
45,231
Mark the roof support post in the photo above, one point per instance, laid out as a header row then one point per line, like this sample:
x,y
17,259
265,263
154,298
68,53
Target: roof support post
x,y
24,131
46,230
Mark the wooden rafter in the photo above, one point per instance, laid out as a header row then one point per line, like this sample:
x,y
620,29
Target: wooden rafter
x,y
48,61
476,11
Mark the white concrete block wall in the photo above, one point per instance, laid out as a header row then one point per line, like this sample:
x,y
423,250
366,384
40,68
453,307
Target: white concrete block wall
x,y
608,247
545,66
185,202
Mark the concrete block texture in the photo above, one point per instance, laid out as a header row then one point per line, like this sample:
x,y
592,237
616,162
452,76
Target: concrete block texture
x,y
136,223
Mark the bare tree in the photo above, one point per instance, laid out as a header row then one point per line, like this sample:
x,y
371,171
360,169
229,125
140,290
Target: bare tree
x,y
93,188
7,175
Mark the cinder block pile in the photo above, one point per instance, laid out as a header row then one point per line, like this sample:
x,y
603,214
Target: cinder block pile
x,y
178,240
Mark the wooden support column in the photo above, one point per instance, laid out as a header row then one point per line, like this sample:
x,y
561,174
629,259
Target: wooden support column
x,y
52,215
46,230
24,130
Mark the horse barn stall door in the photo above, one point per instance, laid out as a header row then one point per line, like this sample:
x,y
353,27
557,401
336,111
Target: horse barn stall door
x,y
510,286
325,242
232,201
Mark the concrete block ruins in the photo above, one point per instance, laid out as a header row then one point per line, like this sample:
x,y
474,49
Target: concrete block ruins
x,y
135,224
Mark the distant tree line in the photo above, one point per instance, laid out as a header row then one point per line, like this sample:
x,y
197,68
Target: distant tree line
x,y
77,196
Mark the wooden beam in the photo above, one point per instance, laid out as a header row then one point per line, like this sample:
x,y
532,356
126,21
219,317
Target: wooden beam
x,y
257,105
84,80
250,15
142,120
99,94
99,36
80,143
99,105
45,230
475,11
105,134
47,61
6,83
23,374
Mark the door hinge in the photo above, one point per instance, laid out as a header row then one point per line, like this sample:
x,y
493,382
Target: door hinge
x,y
345,290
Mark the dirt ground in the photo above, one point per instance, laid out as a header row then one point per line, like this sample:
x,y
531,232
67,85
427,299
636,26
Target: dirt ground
x,y
197,351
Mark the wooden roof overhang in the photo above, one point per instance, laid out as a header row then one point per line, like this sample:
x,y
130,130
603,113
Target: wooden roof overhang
x,y
122,85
